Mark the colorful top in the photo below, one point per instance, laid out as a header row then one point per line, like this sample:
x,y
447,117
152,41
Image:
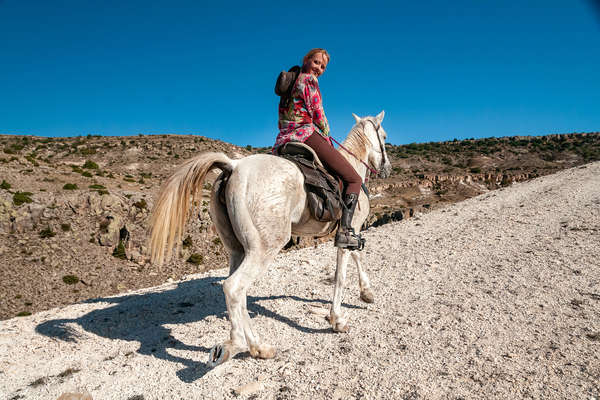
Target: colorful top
x,y
304,114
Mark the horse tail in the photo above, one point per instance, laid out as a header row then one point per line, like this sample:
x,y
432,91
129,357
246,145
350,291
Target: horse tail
x,y
171,208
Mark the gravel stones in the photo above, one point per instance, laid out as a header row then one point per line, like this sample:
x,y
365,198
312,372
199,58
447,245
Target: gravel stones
x,y
494,297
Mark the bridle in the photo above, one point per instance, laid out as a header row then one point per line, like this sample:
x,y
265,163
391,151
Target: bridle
x,y
381,150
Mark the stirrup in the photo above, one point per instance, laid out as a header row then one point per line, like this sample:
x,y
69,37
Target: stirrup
x,y
361,241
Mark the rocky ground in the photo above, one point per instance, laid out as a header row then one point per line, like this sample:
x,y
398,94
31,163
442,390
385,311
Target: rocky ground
x,y
493,297
73,211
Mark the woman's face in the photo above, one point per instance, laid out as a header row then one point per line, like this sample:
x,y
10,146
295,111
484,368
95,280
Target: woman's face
x,y
316,64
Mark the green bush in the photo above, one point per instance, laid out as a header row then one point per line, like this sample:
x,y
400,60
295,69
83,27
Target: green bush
x,y
195,259
24,314
65,227
47,233
86,174
90,165
70,186
70,279
141,204
88,151
13,148
21,197
187,242
5,185
119,251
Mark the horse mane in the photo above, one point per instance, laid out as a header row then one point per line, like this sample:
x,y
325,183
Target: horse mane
x,y
357,142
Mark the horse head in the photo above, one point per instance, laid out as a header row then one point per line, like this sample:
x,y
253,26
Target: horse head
x,y
376,155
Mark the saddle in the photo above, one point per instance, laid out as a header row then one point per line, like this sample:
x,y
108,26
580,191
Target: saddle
x,y
322,189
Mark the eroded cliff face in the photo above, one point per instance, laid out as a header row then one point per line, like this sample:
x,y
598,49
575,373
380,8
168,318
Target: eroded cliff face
x,y
429,175
394,201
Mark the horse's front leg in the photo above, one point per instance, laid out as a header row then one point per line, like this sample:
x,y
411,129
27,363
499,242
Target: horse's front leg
x,y
366,294
338,321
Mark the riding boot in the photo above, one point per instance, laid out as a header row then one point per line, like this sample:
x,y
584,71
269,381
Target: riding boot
x,y
345,236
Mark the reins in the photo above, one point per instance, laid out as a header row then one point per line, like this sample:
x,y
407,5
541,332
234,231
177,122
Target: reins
x,y
375,172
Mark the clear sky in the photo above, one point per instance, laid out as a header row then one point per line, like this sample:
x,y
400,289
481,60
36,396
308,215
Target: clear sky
x,y
439,69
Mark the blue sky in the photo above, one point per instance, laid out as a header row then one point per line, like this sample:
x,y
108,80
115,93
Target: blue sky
x,y
439,69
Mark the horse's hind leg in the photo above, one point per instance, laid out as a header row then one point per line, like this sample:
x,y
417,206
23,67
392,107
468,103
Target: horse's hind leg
x,y
222,223
242,335
236,288
259,213
366,294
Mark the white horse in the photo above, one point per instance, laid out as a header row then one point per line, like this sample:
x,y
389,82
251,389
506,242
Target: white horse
x,y
257,203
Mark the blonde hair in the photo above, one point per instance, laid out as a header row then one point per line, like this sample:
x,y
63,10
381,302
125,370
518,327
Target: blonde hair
x,y
311,53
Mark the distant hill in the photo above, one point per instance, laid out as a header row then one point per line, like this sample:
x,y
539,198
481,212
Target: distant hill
x,y
73,211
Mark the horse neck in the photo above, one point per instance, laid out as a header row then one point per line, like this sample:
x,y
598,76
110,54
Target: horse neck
x,y
357,143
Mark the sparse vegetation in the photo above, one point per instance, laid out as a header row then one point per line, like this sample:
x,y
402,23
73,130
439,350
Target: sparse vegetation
x,y
119,251
24,314
47,233
70,279
90,165
22,198
141,204
196,259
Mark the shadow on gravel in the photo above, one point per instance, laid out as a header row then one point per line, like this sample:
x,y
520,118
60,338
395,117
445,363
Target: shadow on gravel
x,y
142,318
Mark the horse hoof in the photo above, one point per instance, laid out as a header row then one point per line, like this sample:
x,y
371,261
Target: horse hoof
x,y
218,355
341,327
367,296
264,351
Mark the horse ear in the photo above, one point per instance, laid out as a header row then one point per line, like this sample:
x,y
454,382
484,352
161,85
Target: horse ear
x,y
380,116
356,117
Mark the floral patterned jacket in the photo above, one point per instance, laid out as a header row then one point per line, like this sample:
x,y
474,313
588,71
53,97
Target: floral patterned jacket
x,y
304,114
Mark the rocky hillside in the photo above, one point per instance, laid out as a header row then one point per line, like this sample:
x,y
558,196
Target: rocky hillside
x,y
73,211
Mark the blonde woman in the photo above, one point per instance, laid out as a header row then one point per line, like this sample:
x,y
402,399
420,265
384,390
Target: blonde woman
x,y
302,119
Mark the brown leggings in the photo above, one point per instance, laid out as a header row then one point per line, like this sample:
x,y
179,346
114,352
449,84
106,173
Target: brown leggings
x,y
335,162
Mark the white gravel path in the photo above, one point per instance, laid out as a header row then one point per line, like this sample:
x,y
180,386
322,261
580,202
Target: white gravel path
x,y
494,297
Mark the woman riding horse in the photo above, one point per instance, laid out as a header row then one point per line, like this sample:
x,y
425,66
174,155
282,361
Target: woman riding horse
x,y
302,119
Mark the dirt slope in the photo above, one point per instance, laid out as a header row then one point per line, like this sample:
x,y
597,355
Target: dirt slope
x,y
494,297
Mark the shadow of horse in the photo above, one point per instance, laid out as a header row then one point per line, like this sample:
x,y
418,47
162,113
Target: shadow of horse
x,y
142,318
